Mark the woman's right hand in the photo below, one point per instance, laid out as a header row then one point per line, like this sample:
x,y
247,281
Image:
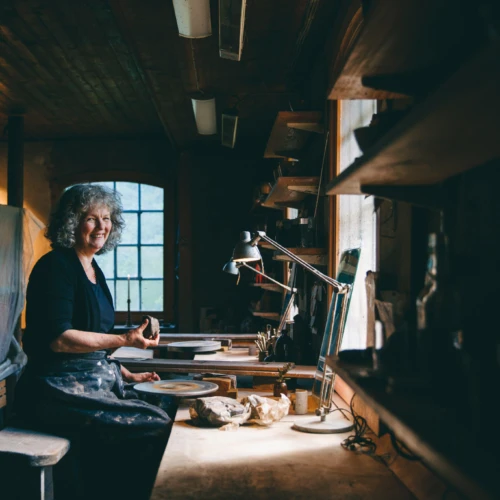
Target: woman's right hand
x,y
135,337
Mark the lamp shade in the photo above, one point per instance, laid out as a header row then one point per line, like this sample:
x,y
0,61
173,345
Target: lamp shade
x,y
204,114
193,18
244,251
231,268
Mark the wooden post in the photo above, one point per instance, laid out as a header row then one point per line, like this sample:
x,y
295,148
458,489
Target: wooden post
x,y
169,247
333,171
15,175
15,165
186,312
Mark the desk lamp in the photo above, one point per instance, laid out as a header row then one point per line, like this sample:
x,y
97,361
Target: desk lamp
x,y
246,250
233,267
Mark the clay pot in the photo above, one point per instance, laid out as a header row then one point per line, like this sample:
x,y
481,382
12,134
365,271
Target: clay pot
x,y
280,388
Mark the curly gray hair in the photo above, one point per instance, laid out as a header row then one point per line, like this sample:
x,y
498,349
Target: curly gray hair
x,y
74,204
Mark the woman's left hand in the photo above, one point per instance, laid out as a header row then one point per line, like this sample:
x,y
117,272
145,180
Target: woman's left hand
x,y
141,377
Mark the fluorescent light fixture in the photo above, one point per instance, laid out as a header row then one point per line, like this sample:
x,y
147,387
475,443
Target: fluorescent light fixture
x,y
231,28
204,114
229,121
193,18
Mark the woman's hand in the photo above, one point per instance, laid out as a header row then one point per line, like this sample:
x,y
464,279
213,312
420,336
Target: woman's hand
x,y
138,377
135,338
142,377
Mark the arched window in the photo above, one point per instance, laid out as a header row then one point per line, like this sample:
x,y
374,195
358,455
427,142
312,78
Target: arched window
x,y
138,260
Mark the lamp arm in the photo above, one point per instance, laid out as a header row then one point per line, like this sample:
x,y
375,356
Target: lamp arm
x,y
338,287
268,277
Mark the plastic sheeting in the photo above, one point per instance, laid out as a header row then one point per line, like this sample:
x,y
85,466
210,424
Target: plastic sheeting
x,y
18,230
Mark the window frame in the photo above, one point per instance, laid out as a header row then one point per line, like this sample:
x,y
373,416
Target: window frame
x,y
116,278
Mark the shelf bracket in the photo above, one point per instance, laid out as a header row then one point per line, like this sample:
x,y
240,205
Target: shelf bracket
x,y
433,197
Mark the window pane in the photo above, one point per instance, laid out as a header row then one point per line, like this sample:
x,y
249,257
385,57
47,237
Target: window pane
x,y
126,259
152,262
122,295
151,197
152,295
151,228
129,234
107,264
111,286
130,194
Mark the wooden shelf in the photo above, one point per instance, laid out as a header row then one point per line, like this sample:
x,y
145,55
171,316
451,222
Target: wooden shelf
x,y
314,256
269,315
410,46
290,191
272,287
432,432
291,131
453,130
265,245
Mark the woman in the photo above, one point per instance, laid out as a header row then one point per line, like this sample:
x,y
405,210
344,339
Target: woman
x,y
70,386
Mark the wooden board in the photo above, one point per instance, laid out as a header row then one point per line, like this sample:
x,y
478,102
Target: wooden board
x,y
268,315
314,256
230,367
268,286
283,195
271,462
38,449
419,39
291,131
452,131
237,339
431,432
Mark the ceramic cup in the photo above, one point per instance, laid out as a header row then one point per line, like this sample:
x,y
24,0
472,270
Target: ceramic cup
x,y
252,350
301,396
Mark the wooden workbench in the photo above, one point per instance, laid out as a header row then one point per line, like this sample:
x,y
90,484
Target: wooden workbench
x,y
267,463
235,362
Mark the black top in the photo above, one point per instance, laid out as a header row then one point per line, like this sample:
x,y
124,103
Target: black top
x,y
105,308
59,298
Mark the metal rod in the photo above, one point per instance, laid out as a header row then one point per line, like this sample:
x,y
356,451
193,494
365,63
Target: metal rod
x,y
338,287
321,175
268,277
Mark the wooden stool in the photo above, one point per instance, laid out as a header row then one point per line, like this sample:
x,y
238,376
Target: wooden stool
x,y
36,450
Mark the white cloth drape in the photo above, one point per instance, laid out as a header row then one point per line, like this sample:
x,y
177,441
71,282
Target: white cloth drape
x,y
18,230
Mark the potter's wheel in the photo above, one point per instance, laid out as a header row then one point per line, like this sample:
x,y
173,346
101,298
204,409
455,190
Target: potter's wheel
x,y
181,388
194,346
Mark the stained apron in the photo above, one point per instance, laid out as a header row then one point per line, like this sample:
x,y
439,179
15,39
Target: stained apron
x,y
83,397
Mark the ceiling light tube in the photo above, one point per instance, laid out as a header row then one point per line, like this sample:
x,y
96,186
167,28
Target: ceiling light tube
x,y
193,18
205,115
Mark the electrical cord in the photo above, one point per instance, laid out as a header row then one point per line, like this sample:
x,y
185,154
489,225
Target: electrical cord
x,y
402,450
358,440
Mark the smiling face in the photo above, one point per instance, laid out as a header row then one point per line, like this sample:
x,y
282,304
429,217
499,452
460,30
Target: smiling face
x,y
93,230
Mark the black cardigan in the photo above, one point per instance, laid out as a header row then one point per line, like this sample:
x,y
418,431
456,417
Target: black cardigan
x,y
59,298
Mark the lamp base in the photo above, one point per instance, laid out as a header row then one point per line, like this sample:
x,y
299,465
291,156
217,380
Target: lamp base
x,y
330,425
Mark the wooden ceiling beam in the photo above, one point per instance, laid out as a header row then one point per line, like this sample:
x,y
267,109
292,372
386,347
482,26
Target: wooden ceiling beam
x,y
139,22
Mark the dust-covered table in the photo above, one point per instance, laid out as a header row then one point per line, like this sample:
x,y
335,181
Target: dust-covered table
x,y
267,463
